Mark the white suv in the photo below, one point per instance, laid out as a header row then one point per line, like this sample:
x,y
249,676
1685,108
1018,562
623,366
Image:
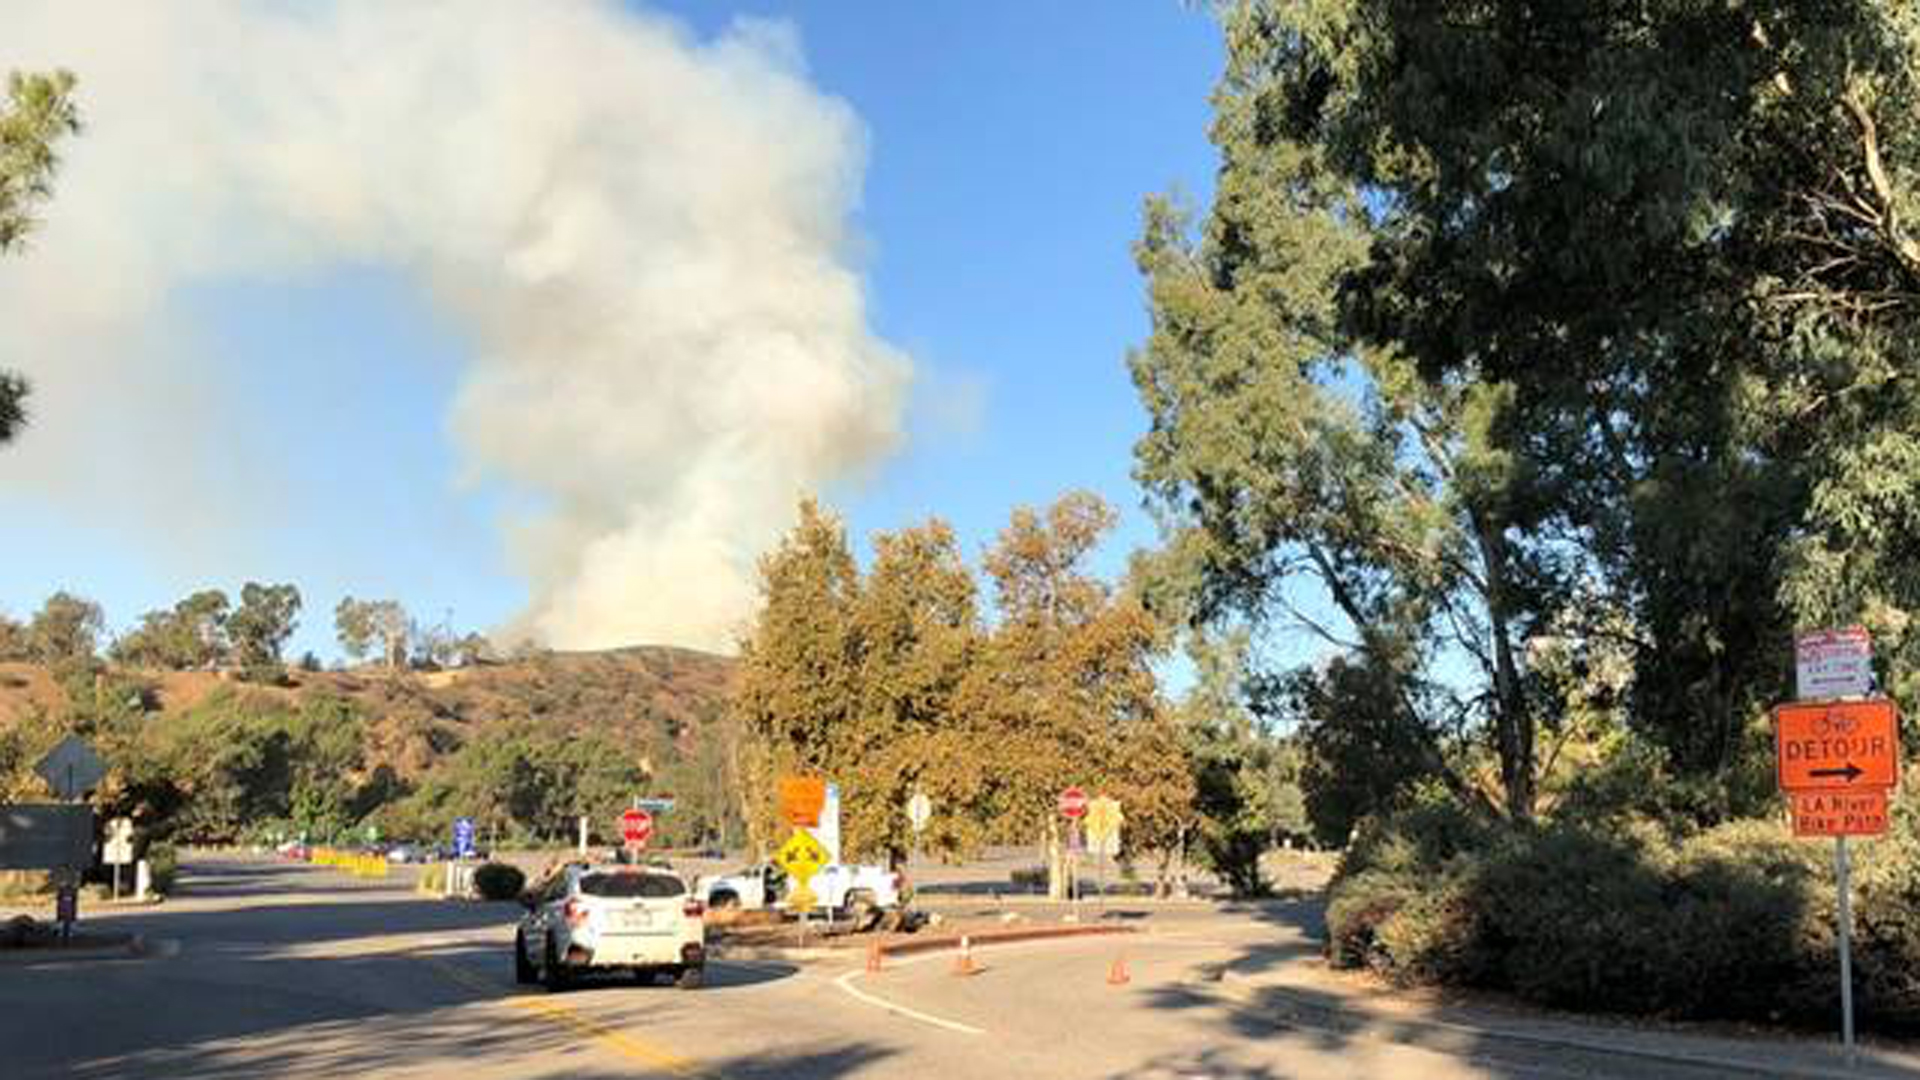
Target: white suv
x,y
590,917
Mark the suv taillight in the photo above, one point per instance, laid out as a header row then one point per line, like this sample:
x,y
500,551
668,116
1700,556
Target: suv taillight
x,y
694,909
575,912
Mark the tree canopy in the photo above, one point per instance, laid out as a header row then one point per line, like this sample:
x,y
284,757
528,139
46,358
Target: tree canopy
x,y
37,113
1520,322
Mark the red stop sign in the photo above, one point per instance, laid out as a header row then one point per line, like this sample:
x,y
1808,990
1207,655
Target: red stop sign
x,y
1073,802
636,826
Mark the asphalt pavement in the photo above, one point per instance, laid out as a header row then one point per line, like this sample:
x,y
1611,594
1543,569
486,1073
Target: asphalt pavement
x,y
269,969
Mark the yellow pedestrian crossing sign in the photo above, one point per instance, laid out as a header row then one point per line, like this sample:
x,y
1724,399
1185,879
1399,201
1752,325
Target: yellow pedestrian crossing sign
x,y
801,857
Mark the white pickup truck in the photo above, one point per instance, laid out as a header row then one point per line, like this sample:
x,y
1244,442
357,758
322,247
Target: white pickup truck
x,y
859,893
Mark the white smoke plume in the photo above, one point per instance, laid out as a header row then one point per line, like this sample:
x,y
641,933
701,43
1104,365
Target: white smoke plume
x,y
640,237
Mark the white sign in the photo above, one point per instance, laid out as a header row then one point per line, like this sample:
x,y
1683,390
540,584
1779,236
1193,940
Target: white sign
x,y
71,769
1832,664
118,850
919,809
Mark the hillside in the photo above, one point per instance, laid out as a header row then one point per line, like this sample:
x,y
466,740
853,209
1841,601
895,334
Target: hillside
x,y
655,709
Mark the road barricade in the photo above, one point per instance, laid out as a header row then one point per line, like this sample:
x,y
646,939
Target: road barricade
x,y
353,862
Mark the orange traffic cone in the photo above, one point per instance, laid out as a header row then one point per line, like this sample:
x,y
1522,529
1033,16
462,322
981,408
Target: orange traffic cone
x,y
963,960
873,957
1117,974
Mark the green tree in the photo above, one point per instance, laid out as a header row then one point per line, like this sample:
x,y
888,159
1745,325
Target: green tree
x,y
66,628
191,636
1245,779
261,626
361,624
798,682
37,113
1666,251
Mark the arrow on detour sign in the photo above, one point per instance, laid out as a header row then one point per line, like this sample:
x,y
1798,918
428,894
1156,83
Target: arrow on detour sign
x,y
1837,745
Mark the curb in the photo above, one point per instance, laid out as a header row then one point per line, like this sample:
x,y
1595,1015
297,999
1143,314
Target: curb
x,y
772,953
1298,1008
134,948
914,945
910,946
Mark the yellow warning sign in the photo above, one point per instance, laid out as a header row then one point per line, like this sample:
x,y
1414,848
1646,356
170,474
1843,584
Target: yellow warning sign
x,y
801,857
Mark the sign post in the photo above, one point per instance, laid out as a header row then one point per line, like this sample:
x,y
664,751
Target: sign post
x,y
118,850
1073,807
801,857
1104,819
1836,761
919,811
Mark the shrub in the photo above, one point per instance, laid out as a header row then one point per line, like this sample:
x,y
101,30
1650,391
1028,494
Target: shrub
x,y
1613,912
499,881
163,863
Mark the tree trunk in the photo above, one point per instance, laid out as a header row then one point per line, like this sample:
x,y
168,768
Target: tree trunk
x,y
1513,721
1056,862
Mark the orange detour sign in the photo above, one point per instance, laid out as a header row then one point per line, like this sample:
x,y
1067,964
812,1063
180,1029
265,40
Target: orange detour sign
x,y
1837,745
801,800
1840,813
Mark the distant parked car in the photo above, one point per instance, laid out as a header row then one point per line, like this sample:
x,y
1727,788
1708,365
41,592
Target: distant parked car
x,y
407,853
592,917
294,851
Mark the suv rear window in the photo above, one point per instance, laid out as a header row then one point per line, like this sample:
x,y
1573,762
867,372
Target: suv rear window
x,y
633,886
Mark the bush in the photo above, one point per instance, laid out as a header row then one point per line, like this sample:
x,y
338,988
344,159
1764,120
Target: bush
x,y
1616,913
499,881
163,863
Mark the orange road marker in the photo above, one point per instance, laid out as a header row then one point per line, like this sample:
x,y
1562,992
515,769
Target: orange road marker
x,y
963,960
1117,974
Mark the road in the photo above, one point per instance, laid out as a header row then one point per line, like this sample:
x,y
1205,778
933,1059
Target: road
x,y
267,969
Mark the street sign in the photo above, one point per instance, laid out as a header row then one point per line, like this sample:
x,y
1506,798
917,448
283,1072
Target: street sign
x,y
1837,745
1840,813
1102,824
801,898
1833,663
118,849
46,836
801,857
658,805
919,809
71,769
1073,803
636,828
463,838
801,800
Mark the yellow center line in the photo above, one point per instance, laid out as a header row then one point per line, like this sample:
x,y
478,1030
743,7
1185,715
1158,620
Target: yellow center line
x,y
628,1046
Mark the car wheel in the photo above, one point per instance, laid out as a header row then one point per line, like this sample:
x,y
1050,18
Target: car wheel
x,y
692,978
523,972
553,975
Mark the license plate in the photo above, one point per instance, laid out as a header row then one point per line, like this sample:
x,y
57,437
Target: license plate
x,y
632,920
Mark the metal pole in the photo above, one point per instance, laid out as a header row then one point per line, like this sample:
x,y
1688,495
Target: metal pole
x,y
1846,947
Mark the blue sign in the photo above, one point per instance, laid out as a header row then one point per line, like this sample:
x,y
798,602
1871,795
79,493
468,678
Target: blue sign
x,y
654,806
463,838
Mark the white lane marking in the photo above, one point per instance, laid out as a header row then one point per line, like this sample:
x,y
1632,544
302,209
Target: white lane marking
x,y
845,982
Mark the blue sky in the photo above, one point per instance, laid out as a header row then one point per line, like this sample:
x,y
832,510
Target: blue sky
x,y
1009,148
